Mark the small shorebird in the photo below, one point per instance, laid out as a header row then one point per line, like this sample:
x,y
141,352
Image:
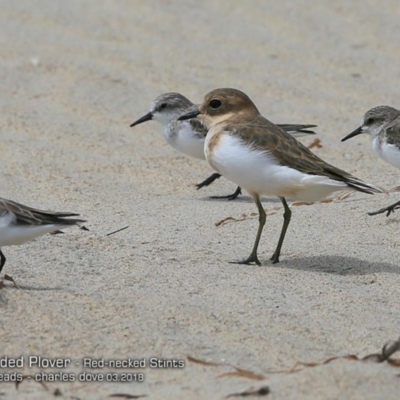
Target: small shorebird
x,y
188,136
251,151
382,123
20,224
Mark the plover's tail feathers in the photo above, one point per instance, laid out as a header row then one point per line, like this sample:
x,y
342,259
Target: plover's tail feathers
x,y
361,186
350,180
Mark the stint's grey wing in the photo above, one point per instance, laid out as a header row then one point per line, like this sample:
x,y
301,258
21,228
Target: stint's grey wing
x,y
392,132
197,125
31,216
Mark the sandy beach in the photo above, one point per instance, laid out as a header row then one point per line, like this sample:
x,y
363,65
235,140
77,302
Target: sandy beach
x,y
73,76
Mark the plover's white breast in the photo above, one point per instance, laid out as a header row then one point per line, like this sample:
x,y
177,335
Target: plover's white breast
x,y
260,172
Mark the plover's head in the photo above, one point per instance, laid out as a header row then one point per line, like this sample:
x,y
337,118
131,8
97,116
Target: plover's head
x,y
374,121
221,104
166,108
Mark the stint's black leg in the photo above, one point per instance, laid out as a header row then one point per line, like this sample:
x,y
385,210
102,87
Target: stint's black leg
x,y
230,196
261,222
389,209
211,179
208,181
2,260
286,219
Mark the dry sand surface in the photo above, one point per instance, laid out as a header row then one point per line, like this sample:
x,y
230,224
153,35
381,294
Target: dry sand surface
x,y
73,76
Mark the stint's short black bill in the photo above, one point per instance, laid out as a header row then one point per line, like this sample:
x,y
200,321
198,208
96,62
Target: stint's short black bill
x,y
357,132
147,117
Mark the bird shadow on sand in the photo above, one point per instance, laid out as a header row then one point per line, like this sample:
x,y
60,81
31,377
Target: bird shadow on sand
x,y
246,198
8,288
393,219
30,288
338,265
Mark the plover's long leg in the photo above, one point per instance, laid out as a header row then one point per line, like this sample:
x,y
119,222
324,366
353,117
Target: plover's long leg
x,y
261,222
286,219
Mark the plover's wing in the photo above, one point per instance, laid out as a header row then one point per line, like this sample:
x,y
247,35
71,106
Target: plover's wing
x,y
300,128
263,135
31,216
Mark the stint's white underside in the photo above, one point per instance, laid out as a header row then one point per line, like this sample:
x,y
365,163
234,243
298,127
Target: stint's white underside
x,y
185,140
11,234
388,152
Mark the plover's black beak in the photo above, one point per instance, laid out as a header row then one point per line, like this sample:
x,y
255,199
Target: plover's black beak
x,y
358,131
147,117
190,115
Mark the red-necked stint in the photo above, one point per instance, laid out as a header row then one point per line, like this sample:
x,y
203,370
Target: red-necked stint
x,y
20,224
382,123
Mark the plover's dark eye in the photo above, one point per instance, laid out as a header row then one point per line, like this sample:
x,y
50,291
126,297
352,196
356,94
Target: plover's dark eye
x,y
214,104
163,105
369,121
